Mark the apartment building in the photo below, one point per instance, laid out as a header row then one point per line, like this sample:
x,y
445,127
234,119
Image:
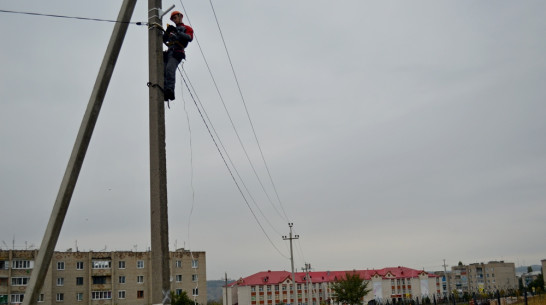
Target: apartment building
x,y
313,288
483,277
459,278
89,278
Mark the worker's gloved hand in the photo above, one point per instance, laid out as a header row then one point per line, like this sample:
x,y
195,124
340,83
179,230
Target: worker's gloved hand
x,y
170,29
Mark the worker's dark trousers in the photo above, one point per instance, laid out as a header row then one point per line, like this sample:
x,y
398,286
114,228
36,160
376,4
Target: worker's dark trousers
x,y
171,64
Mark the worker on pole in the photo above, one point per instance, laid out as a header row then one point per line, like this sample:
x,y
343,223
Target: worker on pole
x,y
176,38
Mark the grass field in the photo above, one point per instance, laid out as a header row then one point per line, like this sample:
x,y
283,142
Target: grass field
x,y
536,300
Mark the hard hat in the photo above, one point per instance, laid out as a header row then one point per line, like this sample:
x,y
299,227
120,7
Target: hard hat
x,y
175,13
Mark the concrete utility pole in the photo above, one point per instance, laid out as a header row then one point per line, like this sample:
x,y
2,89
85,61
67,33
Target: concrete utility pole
x,y
226,298
158,168
292,261
447,280
79,150
306,269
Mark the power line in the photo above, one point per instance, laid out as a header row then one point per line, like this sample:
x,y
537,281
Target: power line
x,y
70,17
229,169
240,141
236,133
228,155
248,114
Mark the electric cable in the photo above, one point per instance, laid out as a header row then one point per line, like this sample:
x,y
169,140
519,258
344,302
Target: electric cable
x,y
72,17
191,169
229,169
233,124
228,155
247,112
217,135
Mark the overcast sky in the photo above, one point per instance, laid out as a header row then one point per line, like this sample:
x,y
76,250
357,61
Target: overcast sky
x,y
397,133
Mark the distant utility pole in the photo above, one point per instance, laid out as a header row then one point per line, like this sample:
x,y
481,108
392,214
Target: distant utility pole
x,y
75,162
447,280
306,269
160,292
226,297
292,260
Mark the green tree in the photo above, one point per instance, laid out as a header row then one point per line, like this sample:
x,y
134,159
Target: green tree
x,y
350,290
529,269
537,284
181,299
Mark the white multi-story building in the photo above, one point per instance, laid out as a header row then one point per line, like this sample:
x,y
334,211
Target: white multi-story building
x,y
313,288
88,278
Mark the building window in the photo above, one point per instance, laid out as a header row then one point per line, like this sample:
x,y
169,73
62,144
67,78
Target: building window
x,y
252,288
101,295
276,287
40,298
121,294
22,264
283,287
195,291
102,264
179,278
79,281
60,281
60,265
268,288
79,265
121,279
60,297
298,286
121,265
140,279
178,264
194,277
17,298
99,280
194,263
19,281
178,291
140,264
140,294
4,265
79,296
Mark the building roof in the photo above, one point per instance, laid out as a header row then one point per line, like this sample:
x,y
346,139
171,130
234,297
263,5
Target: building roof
x,y
277,277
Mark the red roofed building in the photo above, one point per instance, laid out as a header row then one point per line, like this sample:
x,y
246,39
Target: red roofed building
x,y
312,288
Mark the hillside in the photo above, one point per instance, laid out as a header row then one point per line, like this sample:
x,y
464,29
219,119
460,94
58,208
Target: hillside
x,y
214,290
523,269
